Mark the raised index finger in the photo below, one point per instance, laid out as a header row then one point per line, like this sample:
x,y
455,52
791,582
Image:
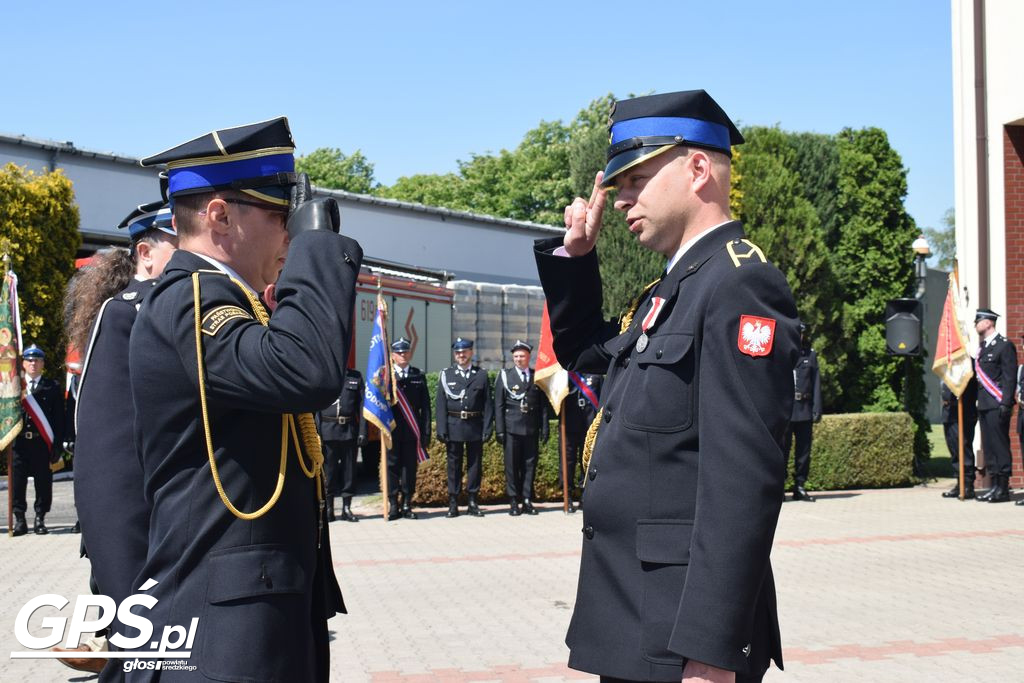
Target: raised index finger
x,y
598,191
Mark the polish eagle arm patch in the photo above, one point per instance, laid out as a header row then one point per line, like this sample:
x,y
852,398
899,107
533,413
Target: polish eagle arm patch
x,y
214,320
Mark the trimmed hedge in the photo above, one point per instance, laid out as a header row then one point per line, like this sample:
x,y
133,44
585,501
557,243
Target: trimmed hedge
x,y
862,450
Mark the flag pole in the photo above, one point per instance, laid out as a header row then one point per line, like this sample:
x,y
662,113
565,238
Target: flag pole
x,y
565,472
9,451
384,488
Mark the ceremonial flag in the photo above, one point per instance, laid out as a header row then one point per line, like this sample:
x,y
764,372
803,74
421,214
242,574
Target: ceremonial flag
x,y
10,366
550,376
952,361
378,395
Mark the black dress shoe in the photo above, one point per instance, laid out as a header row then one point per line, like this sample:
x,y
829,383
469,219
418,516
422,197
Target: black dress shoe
x,y
40,527
453,507
953,492
20,527
407,512
1020,502
572,508
1001,492
513,509
77,528
347,514
473,508
528,507
800,494
394,512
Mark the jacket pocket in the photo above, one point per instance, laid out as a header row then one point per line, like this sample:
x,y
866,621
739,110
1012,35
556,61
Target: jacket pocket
x,y
663,548
256,624
661,382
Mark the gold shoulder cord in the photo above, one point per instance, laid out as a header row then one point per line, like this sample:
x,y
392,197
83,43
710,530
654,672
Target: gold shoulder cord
x,y
591,437
306,425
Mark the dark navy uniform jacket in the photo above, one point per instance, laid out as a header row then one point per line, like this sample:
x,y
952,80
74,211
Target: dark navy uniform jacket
x,y
949,403
579,411
807,381
686,480
414,386
998,360
341,420
108,472
476,398
509,414
49,394
262,589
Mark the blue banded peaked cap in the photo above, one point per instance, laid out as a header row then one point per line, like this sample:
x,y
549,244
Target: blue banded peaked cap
x,y
146,217
986,314
520,344
33,351
643,127
401,344
257,158
461,344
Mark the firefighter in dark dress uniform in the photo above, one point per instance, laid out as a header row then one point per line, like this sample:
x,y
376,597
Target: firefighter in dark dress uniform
x,y
38,444
465,419
578,409
951,430
224,393
806,413
406,443
107,466
686,478
520,417
340,431
996,367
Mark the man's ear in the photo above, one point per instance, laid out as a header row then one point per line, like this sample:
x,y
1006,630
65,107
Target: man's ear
x,y
218,215
700,168
143,251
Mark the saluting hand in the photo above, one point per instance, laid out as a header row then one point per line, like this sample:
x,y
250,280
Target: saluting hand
x,y
583,220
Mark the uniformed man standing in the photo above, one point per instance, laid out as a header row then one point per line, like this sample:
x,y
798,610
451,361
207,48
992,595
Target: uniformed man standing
x,y
223,398
686,479
578,411
38,445
340,431
407,438
806,413
465,417
1020,411
996,367
520,417
951,430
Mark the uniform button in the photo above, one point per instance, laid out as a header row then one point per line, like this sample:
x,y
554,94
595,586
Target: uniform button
x,y
588,531
593,473
625,363
658,353
608,415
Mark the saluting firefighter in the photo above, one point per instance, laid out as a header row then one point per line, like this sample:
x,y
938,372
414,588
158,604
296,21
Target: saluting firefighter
x,y
578,409
686,478
342,429
38,444
520,417
997,388
806,413
224,392
407,439
465,418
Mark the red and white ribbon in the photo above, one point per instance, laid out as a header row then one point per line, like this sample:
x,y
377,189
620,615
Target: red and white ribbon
x,y
35,411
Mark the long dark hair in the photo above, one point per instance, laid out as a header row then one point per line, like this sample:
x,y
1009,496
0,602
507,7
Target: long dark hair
x,y
110,271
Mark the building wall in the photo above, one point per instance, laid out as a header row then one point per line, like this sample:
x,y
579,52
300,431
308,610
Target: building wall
x,y
1013,205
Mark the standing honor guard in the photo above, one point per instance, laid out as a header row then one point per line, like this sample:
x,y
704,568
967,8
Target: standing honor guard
x,y
997,379
578,412
951,430
465,417
1020,414
686,479
342,430
223,395
38,444
520,416
409,439
806,413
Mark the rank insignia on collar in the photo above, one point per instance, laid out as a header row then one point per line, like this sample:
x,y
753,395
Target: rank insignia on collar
x,y
756,335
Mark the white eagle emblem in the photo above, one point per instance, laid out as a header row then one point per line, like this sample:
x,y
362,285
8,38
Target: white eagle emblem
x,y
757,337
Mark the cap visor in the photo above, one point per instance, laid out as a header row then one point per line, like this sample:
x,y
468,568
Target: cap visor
x,y
628,159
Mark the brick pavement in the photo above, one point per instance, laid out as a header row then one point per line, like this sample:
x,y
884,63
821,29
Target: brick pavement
x,y
892,585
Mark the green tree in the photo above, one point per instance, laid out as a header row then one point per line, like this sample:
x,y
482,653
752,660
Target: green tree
x,y
943,241
872,265
331,168
39,229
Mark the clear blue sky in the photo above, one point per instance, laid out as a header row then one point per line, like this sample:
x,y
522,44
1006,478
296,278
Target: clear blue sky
x,y
417,86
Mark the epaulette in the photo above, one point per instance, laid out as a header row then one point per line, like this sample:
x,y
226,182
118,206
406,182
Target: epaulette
x,y
741,250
